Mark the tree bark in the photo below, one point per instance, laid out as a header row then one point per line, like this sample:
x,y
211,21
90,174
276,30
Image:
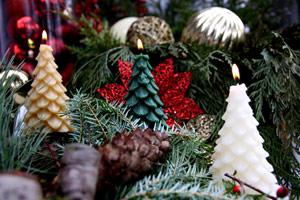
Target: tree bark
x,y
19,187
79,172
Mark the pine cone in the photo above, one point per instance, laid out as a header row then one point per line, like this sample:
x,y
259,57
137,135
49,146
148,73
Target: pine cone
x,y
131,155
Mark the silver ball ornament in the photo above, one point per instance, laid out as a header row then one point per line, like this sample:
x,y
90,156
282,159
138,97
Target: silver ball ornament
x,y
214,26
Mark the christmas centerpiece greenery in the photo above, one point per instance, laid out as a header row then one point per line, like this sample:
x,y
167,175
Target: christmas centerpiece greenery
x,y
141,157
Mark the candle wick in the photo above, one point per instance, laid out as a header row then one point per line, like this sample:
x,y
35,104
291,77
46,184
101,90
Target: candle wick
x,y
44,41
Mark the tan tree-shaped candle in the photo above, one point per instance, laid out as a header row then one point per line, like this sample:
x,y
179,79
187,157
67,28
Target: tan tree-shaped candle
x,y
47,99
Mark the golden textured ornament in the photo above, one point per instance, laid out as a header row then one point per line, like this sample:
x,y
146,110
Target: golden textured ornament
x,y
46,100
151,30
202,125
214,26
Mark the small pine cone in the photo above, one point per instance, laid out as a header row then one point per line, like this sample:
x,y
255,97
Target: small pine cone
x,y
131,155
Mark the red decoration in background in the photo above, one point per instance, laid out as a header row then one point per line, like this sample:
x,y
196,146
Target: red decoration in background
x,y
58,46
172,89
141,7
67,72
26,27
28,67
70,33
27,19
17,51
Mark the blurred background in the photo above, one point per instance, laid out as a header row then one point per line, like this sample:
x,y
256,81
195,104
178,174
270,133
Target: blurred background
x,y
22,21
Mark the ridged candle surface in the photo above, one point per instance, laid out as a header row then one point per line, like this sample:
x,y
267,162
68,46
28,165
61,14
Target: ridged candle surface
x,y
239,147
46,100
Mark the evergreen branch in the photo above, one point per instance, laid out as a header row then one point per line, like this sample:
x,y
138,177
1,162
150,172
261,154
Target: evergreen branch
x,y
277,87
178,178
16,151
286,167
95,120
97,69
182,176
198,151
211,81
177,192
93,56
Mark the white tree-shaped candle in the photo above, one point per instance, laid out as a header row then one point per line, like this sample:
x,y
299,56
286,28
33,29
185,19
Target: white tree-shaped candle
x,y
239,148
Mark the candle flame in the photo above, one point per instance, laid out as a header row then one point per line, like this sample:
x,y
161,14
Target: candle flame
x,y
44,36
30,43
235,72
140,44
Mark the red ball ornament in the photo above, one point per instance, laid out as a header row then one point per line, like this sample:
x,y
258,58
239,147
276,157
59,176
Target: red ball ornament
x,y
282,192
26,28
18,51
236,189
28,67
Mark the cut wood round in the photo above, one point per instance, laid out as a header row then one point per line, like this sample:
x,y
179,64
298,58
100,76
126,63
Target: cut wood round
x,y
19,187
79,172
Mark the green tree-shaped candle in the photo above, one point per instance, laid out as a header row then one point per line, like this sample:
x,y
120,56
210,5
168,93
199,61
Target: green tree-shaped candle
x,y
142,96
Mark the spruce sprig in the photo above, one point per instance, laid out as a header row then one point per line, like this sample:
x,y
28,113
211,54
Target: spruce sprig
x,y
94,56
95,120
178,178
16,151
276,88
286,167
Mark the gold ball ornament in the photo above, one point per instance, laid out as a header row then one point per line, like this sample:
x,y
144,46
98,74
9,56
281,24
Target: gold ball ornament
x,y
214,26
202,125
151,30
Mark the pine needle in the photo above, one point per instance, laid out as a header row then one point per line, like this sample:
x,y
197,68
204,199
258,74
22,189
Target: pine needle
x,y
16,151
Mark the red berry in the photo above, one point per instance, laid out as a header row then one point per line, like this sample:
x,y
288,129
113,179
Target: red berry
x,y
236,189
282,192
